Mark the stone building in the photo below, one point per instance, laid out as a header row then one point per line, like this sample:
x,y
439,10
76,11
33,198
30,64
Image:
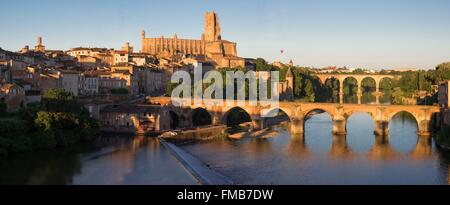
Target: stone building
x,y
211,45
127,48
39,47
444,102
286,88
89,62
152,81
444,95
12,95
81,51
68,80
134,118
120,57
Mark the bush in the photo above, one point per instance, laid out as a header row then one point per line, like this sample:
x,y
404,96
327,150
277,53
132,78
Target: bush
x,y
13,138
20,144
58,121
43,140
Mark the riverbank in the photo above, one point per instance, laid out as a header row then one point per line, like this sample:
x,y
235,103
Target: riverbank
x,y
197,168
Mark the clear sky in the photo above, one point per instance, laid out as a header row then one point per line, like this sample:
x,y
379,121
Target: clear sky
x,y
373,34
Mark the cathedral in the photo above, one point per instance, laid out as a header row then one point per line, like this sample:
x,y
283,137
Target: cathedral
x,y
211,45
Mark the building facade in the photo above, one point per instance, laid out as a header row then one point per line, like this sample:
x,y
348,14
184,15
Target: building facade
x,y
13,96
132,118
444,102
211,45
443,95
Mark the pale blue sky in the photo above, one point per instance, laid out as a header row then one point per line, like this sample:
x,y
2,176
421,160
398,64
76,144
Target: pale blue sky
x,y
371,34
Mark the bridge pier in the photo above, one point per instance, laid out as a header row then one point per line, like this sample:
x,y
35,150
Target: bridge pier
x,y
297,125
424,128
381,128
258,123
359,92
339,126
341,91
215,119
339,146
423,147
381,139
377,92
298,137
377,99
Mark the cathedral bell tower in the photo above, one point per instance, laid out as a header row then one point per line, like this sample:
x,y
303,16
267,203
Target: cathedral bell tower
x,y
212,27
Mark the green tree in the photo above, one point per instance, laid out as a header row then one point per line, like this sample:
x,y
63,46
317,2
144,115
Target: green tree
x,y
309,91
59,100
262,65
397,96
442,71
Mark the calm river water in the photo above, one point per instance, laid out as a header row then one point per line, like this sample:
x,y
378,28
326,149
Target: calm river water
x,y
316,157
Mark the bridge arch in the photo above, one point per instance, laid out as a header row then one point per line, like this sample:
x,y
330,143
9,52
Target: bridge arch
x,y
349,113
321,139
350,95
368,87
360,127
369,77
385,89
333,86
277,116
405,137
413,114
280,110
235,116
200,117
383,78
313,111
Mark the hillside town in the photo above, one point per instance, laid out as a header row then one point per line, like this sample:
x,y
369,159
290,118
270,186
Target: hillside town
x,y
262,93
101,78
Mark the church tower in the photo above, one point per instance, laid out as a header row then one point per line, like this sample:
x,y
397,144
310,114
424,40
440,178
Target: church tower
x,y
212,27
288,92
39,47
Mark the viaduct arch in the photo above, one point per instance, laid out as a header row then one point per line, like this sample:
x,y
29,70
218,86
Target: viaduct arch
x,y
359,78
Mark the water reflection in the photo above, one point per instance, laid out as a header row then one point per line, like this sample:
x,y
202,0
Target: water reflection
x,y
360,135
403,129
297,147
382,149
111,160
315,157
339,148
318,131
318,157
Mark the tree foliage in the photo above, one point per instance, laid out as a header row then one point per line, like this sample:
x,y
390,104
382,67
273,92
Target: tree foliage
x,y
57,121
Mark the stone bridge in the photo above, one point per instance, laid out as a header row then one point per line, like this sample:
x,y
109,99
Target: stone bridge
x,y
299,112
359,78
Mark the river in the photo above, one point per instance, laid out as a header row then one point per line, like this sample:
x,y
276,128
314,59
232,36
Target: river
x,y
316,157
